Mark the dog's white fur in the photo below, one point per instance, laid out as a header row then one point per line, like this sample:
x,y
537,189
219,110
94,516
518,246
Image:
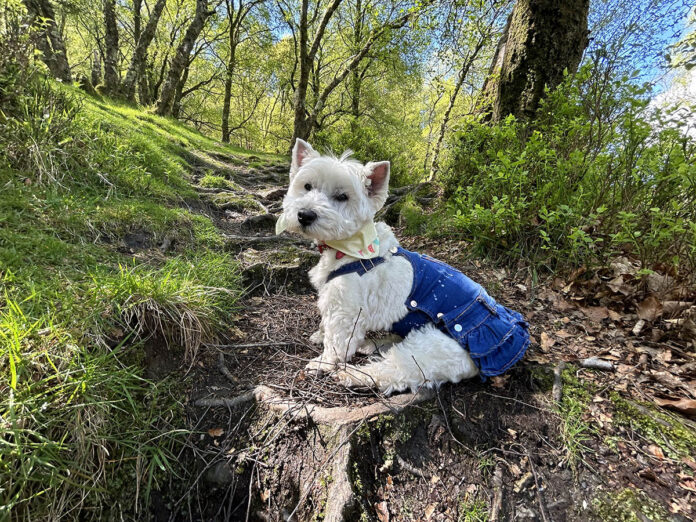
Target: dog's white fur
x,y
353,305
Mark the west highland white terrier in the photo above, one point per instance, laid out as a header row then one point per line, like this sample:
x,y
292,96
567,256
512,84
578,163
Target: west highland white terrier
x,y
445,326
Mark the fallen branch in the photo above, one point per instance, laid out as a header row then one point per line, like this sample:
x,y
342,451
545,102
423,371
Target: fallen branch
x,y
595,363
542,507
227,402
224,370
413,470
557,393
497,503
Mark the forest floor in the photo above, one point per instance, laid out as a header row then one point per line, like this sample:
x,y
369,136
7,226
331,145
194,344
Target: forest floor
x,y
551,440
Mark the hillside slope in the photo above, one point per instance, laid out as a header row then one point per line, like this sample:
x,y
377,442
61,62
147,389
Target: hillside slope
x,y
108,245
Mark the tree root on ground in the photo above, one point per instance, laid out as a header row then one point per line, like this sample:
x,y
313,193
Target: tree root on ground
x,y
337,445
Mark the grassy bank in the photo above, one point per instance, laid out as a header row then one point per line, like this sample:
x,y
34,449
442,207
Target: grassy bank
x,y
90,191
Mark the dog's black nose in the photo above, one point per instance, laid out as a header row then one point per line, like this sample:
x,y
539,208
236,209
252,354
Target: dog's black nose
x,y
306,217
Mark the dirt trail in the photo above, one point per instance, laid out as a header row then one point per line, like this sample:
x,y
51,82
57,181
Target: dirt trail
x,y
496,450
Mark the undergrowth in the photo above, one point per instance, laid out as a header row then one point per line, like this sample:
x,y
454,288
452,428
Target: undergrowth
x,y
601,172
83,433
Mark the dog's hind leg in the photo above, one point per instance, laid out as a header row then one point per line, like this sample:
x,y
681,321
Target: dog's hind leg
x,y
426,356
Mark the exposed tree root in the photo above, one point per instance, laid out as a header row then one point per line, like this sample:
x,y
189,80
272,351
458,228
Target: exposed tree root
x,y
329,476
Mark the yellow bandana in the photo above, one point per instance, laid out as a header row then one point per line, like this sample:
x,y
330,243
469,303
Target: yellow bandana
x,y
364,244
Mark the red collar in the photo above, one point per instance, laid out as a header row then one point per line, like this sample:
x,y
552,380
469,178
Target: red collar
x,y
323,246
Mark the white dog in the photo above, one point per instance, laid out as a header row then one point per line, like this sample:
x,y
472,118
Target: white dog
x,y
451,328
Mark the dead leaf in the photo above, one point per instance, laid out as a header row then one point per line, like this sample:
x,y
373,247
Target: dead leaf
x,y
382,511
563,334
656,451
688,484
649,309
216,432
434,479
265,494
619,286
673,307
614,316
500,381
659,283
685,406
596,313
546,341
429,510
689,462
621,265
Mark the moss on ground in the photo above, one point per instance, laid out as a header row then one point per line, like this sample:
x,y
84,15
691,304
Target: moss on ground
x,y
627,505
673,434
236,201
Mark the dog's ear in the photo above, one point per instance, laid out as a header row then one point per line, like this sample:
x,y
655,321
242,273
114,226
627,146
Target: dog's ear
x,y
300,152
378,186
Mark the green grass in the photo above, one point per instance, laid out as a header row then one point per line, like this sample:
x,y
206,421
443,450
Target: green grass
x,y
575,430
83,434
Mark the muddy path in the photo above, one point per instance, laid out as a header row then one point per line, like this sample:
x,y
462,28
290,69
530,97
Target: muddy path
x,y
549,441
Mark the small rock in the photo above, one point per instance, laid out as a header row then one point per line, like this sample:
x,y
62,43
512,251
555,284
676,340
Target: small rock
x,y
220,474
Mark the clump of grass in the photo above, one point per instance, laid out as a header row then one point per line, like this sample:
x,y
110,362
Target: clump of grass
x,y
212,181
472,510
175,302
72,421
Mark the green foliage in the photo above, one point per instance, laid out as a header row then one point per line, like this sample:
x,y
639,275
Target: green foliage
x,y
589,179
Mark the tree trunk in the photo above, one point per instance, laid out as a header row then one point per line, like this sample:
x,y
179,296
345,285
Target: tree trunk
x,y
542,39
137,65
226,103
463,73
300,128
96,68
50,41
165,104
356,80
111,76
179,94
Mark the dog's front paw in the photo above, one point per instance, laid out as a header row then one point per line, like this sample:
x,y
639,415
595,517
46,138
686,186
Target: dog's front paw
x,y
319,365
368,347
352,377
317,337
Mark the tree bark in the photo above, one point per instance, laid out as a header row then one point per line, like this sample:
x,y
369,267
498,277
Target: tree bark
x,y
111,75
165,104
543,38
96,68
137,65
50,40
303,121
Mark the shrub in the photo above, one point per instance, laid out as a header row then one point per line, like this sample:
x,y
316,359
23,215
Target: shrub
x,y
590,178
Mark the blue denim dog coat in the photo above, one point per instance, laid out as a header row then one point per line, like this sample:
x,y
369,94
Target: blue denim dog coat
x,y
495,336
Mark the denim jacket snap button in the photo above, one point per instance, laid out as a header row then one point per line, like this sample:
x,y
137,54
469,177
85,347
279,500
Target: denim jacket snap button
x,y
457,327
414,304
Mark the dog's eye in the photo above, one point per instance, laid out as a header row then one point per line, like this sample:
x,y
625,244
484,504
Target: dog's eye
x,y
341,197
308,187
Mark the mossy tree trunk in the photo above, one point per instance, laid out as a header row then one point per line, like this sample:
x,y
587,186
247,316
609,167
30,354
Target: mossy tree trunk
x,y
111,75
165,105
542,39
50,40
137,65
